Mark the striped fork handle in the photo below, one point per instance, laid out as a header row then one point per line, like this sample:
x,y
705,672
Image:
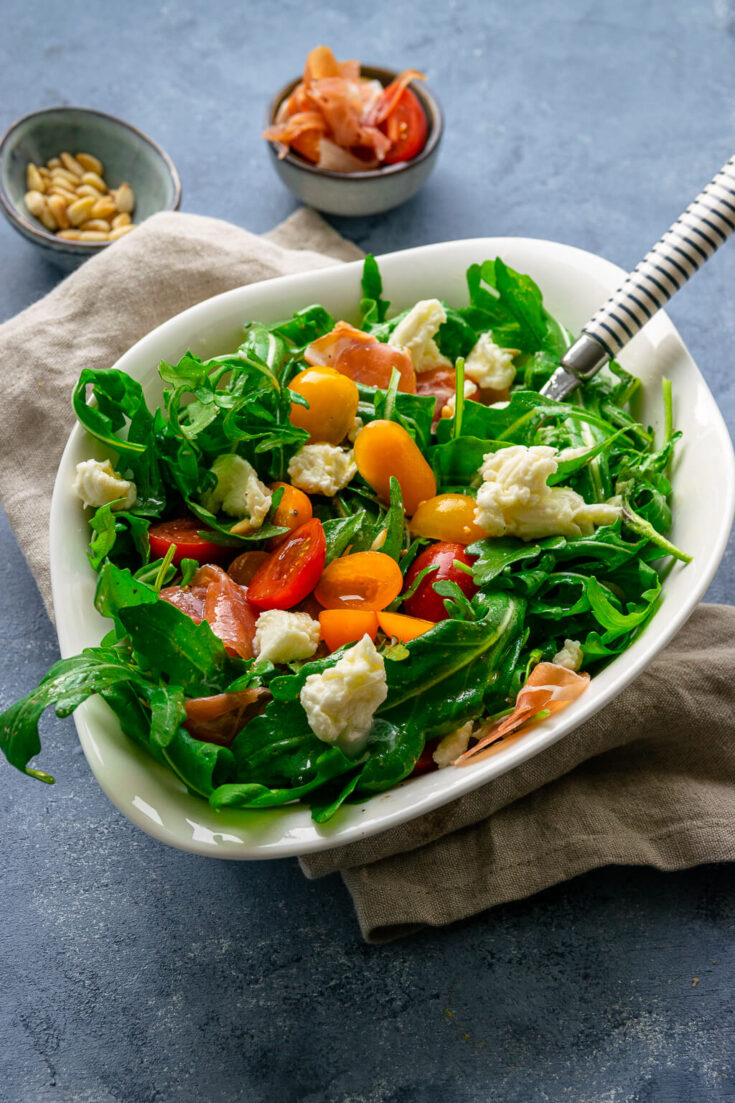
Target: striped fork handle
x,y
706,224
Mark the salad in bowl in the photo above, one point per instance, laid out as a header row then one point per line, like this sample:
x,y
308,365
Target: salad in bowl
x,y
345,554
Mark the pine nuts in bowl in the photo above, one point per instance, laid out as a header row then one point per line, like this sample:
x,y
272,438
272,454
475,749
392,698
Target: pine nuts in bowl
x,y
74,180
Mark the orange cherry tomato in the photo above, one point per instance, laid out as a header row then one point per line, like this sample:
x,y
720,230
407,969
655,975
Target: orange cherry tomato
x,y
364,580
244,567
384,448
362,357
403,628
449,517
341,626
332,399
294,509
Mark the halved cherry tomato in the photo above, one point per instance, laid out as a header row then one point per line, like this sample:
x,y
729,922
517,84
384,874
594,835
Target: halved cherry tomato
x,y
406,127
384,448
341,626
449,517
244,567
292,571
403,628
361,357
184,533
364,580
426,602
332,398
294,509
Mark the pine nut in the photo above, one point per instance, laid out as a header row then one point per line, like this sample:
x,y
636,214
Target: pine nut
x,y
96,224
57,206
47,218
44,172
124,198
87,189
120,231
71,164
105,208
80,210
54,163
70,235
95,181
120,220
34,179
90,163
65,193
93,235
65,176
35,202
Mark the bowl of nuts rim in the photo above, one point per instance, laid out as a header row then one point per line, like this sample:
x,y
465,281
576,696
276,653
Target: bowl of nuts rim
x,y
74,180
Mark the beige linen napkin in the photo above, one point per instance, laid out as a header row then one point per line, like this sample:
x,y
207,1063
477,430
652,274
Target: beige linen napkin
x,y
649,781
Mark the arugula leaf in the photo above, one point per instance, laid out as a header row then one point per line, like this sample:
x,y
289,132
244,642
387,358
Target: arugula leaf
x,y
493,556
174,648
373,307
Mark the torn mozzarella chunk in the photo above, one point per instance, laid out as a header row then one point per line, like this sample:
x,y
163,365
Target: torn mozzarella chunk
x,y
97,484
283,637
416,332
238,491
322,469
570,656
341,701
514,499
490,365
452,745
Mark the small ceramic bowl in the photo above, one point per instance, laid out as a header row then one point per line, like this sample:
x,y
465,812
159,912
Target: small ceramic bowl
x,y
361,193
126,153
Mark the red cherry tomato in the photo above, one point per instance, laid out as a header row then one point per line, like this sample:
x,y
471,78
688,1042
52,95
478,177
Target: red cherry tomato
x,y
184,533
425,762
292,570
426,603
406,127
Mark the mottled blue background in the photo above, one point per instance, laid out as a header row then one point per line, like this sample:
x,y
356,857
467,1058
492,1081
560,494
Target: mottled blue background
x,y
136,974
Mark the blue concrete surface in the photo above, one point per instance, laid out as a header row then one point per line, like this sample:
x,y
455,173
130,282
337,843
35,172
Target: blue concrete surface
x,y
132,973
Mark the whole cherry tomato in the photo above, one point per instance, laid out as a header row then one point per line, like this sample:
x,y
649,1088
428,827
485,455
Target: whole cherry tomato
x,y
426,602
292,570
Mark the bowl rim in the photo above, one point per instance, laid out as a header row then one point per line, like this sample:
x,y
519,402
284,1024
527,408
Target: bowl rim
x,y
46,236
432,110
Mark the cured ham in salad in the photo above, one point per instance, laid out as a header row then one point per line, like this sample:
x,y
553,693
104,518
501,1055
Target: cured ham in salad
x,y
358,549
338,120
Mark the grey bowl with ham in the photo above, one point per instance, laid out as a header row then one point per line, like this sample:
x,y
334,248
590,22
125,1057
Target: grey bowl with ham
x,y
371,191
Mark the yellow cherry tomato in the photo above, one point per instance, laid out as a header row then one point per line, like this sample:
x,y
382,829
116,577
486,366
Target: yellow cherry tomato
x,y
293,510
448,517
332,399
364,580
384,448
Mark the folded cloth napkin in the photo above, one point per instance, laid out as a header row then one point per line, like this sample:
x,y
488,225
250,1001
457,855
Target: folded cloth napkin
x,y
650,780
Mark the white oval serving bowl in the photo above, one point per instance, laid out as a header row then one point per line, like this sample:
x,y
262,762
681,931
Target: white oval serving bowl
x,y
574,284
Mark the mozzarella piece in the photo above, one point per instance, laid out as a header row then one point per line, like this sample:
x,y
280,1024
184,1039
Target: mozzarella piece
x,y
322,469
514,499
238,492
452,745
570,656
489,365
416,332
450,406
282,637
97,484
341,701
